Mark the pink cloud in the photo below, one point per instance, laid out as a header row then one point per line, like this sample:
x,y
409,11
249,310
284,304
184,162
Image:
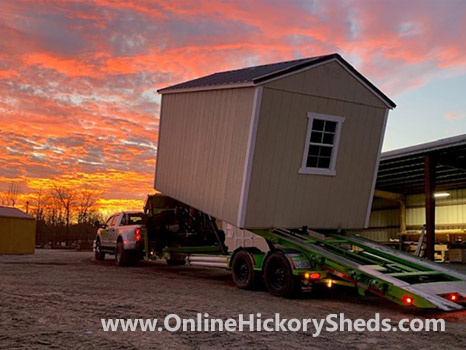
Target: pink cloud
x,y
453,116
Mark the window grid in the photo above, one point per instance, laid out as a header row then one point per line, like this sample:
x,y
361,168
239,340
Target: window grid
x,y
321,144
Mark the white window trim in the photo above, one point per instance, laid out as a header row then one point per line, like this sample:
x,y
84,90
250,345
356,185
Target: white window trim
x,y
319,171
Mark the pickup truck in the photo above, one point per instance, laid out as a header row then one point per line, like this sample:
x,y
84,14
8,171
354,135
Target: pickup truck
x,y
123,236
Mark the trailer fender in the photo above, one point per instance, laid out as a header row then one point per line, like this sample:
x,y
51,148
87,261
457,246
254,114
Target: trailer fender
x,y
256,255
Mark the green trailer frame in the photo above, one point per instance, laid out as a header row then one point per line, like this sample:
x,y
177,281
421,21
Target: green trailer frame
x,y
332,258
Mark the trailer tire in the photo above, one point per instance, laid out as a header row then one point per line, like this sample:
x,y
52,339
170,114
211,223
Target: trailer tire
x,y
243,272
278,276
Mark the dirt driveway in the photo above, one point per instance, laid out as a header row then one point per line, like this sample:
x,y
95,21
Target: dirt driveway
x,y
55,299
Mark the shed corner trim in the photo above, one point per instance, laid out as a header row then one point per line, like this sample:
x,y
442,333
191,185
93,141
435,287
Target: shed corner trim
x,y
376,169
249,156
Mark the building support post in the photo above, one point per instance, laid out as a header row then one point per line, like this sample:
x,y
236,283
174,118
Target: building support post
x,y
402,203
429,189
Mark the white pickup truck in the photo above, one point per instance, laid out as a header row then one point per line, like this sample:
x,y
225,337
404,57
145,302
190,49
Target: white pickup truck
x,y
123,236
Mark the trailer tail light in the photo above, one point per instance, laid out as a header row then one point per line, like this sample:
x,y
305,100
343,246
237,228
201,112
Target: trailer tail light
x,y
453,297
408,300
312,276
137,234
330,283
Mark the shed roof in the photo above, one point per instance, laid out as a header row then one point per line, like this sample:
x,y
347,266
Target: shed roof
x,y
256,75
8,212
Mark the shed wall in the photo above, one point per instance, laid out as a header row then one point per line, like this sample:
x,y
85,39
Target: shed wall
x,y
278,195
17,236
202,147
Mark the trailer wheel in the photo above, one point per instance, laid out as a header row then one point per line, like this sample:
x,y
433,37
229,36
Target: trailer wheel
x,y
278,276
243,272
99,254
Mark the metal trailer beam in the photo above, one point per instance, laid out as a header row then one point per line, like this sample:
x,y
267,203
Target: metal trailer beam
x,y
375,268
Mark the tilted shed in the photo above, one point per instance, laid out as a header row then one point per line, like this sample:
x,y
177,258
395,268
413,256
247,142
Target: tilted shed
x,y
289,144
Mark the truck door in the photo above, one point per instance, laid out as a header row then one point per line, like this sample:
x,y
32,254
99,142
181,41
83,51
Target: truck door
x,y
113,229
104,232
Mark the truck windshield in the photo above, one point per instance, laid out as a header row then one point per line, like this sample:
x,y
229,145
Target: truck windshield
x,y
135,219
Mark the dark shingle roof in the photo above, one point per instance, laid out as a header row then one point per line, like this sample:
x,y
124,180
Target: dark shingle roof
x,y
258,74
14,213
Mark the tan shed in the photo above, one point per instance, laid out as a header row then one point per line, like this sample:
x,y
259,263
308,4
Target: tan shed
x,y
289,144
17,231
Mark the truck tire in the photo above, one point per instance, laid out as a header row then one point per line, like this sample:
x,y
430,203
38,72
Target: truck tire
x,y
278,276
243,272
122,257
98,253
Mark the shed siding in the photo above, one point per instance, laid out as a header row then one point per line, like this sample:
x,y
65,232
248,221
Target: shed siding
x,y
278,195
17,235
202,147
330,80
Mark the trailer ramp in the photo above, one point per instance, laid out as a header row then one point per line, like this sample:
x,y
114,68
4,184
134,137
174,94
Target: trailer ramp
x,y
371,267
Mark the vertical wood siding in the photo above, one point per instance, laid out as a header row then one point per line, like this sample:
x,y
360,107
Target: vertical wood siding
x,y
202,147
278,195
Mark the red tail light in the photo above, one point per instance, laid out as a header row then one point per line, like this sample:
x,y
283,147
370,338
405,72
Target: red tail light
x,y
408,300
453,297
137,234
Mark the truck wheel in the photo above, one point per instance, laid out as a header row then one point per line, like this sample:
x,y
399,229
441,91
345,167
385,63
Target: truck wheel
x,y
99,254
122,257
278,276
243,272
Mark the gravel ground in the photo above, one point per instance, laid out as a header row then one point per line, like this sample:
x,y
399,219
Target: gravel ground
x,y
55,299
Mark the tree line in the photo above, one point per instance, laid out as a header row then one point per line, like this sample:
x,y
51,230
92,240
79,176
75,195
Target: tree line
x,y
57,209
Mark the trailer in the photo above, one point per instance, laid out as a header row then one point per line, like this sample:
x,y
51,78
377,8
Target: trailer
x,y
277,149
299,260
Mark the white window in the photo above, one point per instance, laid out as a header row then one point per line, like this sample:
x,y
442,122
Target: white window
x,y
321,147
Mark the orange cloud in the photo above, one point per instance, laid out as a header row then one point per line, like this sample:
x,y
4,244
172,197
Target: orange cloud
x,y
77,79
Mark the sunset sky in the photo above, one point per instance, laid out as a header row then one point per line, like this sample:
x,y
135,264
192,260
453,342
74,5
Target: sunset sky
x,y
78,79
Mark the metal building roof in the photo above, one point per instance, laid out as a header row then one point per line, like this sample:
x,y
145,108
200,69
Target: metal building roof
x,y
8,212
259,74
402,170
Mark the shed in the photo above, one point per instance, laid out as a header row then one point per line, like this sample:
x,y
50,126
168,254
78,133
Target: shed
x,y
288,144
17,231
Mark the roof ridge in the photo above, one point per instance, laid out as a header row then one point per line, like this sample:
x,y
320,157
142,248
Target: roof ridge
x,y
268,64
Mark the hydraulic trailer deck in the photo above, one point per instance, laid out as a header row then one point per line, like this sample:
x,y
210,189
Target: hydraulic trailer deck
x,y
334,259
301,259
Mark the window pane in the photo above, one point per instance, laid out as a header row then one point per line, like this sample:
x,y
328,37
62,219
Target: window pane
x,y
325,151
330,126
316,137
324,163
318,124
314,150
328,138
312,162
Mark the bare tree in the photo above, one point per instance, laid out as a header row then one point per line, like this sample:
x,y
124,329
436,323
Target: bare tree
x,y
9,198
39,204
85,205
67,198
